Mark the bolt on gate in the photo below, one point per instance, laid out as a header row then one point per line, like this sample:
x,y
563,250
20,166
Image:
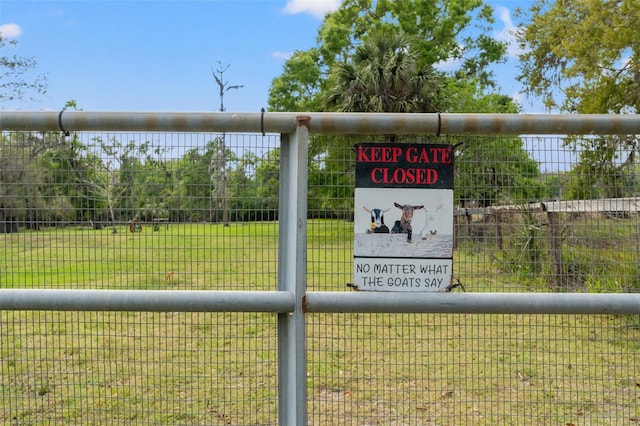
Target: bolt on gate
x,y
380,357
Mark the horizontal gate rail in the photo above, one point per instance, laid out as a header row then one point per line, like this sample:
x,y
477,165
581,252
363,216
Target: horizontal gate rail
x,y
473,303
323,122
319,302
147,300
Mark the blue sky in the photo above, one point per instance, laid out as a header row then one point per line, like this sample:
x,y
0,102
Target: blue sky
x,y
157,55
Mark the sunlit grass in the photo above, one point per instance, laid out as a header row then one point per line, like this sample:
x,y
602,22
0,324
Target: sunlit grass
x,y
184,256
221,368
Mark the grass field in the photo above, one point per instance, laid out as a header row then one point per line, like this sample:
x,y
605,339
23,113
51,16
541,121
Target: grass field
x,y
363,369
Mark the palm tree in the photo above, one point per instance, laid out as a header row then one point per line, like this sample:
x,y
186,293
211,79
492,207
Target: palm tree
x,y
383,75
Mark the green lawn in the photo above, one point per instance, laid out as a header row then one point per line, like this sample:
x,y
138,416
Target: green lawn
x,y
221,368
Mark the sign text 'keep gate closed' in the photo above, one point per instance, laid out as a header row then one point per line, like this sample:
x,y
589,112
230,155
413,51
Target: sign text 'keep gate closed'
x,y
403,217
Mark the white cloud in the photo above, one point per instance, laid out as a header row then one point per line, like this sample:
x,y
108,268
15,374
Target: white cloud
x,y
508,33
448,64
10,30
282,55
317,8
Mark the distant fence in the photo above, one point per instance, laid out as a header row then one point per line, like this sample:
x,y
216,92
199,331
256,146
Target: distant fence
x,y
230,304
552,217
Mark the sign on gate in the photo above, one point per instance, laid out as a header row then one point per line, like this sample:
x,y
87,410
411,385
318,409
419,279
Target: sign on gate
x,y
403,217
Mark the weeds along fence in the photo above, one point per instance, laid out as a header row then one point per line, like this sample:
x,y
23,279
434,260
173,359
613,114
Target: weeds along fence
x,y
165,268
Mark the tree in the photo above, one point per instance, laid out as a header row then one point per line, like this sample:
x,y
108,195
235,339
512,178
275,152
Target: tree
x,y
154,185
220,158
384,56
68,173
268,182
194,185
15,79
200,191
114,163
299,85
604,170
383,76
440,31
20,194
219,163
584,57
492,169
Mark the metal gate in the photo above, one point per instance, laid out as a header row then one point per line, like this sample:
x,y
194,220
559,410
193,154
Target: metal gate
x,y
192,269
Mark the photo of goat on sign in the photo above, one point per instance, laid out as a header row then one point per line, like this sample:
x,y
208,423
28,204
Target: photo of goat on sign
x,y
403,223
403,226
377,221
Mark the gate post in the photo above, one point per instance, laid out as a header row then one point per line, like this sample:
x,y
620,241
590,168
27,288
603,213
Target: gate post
x,y
292,274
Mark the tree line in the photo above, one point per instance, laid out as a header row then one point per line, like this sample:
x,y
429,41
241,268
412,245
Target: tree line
x,y
371,56
49,180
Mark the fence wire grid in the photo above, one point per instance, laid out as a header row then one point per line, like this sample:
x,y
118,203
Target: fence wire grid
x,y
197,211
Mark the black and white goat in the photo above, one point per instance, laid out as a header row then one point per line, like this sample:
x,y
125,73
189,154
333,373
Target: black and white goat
x,y
377,221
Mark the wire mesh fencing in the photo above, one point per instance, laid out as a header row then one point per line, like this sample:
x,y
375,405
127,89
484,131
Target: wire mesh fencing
x,y
510,237
199,211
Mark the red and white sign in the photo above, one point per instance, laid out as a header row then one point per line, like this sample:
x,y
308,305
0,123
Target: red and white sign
x,y
403,217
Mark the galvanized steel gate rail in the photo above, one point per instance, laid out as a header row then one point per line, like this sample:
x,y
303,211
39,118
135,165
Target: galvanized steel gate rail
x,y
291,301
